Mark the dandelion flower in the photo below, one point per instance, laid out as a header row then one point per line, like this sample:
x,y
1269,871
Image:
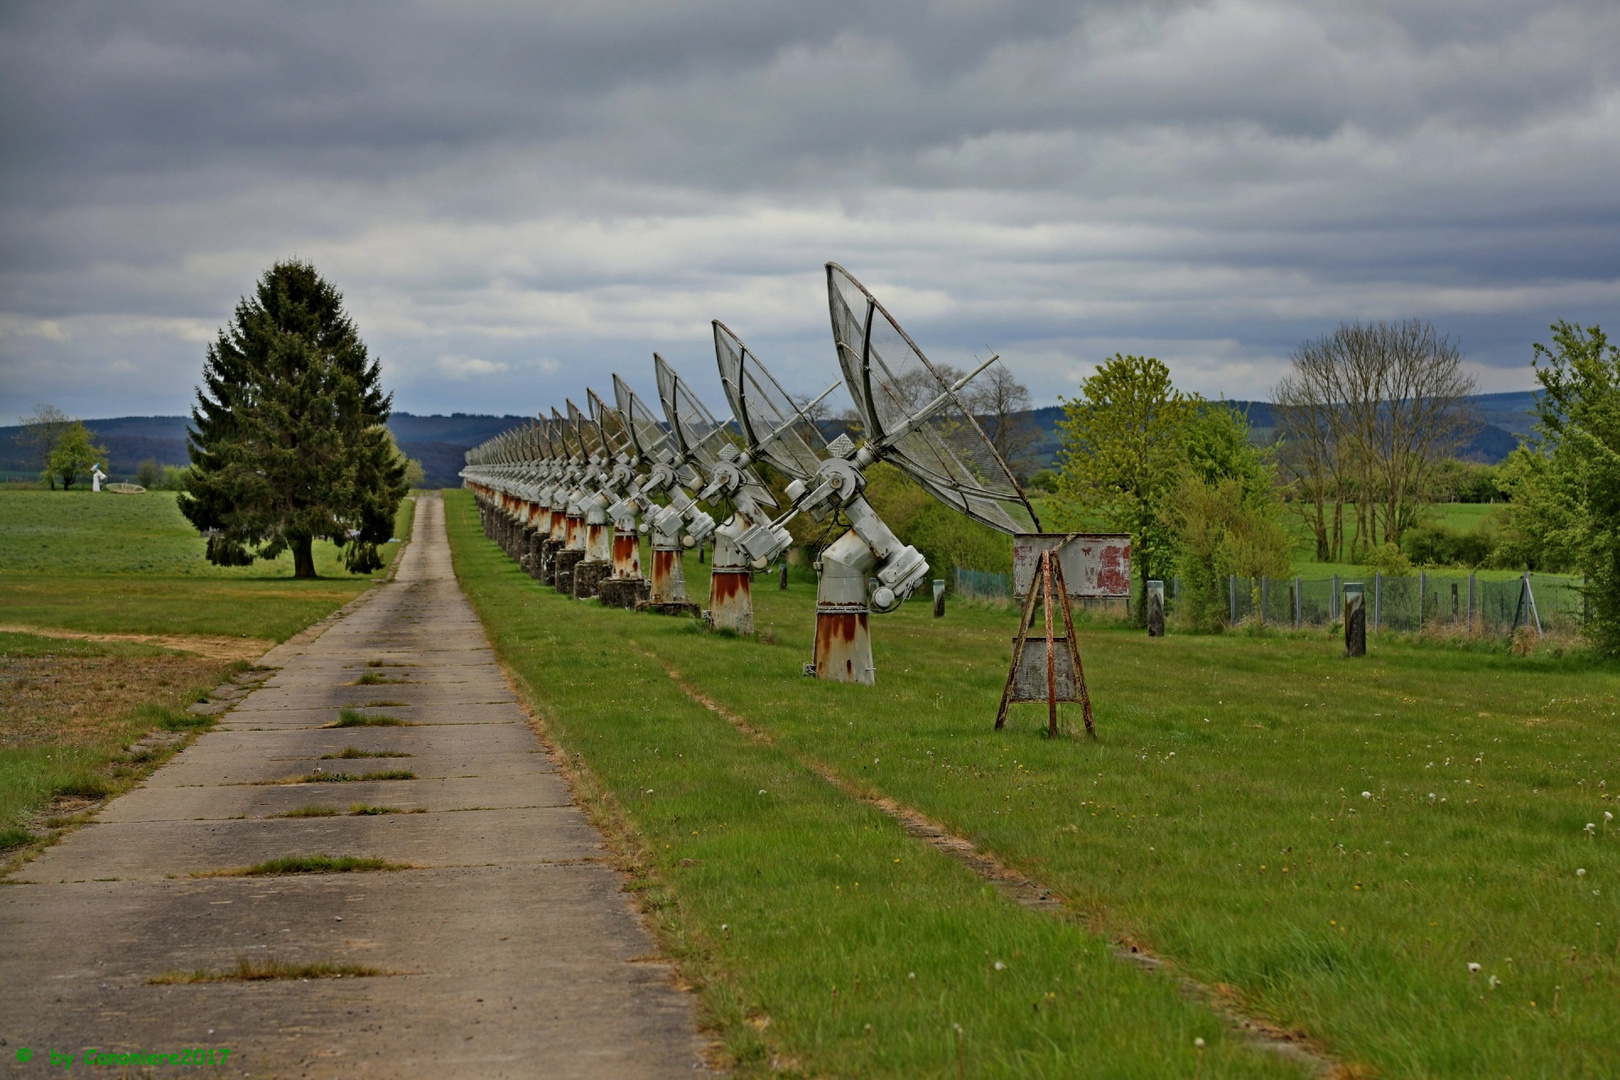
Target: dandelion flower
x,y
1199,1042
1494,982
1473,968
1591,826
762,791
1000,966
1581,872
1366,794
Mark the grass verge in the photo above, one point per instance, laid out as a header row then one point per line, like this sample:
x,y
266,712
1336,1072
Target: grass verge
x,y
1333,841
822,938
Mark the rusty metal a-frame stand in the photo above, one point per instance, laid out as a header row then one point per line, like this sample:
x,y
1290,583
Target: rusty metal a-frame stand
x,y
1018,689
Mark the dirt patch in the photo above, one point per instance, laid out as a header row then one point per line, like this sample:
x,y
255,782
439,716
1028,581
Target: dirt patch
x,y
212,646
80,700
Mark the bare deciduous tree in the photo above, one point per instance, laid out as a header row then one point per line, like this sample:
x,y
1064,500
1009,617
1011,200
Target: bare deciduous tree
x,y
40,432
1001,404
1366,415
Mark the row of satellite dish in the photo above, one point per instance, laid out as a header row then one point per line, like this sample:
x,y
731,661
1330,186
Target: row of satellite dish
x,y
569,495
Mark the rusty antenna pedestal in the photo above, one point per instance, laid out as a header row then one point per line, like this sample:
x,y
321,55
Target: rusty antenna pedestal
x,y
706,446
679,524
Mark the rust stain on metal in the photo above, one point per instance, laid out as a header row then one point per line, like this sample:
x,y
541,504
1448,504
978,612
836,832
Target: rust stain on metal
x,y
665,564
843,646
1224,1000
626,555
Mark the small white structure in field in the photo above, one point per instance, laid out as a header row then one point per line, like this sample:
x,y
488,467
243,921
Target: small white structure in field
x,y
96,477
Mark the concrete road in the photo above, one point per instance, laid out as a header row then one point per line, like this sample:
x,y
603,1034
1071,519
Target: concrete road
x,y
507,949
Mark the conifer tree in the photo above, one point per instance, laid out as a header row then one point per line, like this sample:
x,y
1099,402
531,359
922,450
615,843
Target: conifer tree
x,y
288,444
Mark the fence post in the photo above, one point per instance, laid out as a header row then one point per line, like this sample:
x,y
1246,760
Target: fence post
x,y
1355,619
781,582
1470,601
1378,600
1423,595
1335,609
1155,608
1299,602
1231,586
939,598
1265,597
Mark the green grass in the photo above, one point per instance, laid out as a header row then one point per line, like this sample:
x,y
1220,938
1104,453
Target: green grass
x,y
356,718
319,863
346,778
307,812
133,564
355,810
1170,831
356,752
810,915
259,969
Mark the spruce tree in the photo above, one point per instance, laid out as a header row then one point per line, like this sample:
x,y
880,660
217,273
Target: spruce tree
x,y
288,443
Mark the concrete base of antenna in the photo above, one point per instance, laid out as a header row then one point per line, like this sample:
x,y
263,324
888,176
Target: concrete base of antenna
x,y
563,574
627,593
588,577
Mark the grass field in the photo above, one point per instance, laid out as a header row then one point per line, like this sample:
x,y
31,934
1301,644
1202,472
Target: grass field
x,y
133,564
1334,841
115,568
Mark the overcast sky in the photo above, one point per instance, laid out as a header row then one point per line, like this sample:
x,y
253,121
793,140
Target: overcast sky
x,y
517,199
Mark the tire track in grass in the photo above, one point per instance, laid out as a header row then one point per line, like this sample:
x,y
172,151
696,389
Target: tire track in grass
x,y
1224,1001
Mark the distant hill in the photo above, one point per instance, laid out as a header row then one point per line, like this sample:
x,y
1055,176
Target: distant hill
x,y
1505,419
439,442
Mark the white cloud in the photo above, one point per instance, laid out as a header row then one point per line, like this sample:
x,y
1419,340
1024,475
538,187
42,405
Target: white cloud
x,y
547,194
464,367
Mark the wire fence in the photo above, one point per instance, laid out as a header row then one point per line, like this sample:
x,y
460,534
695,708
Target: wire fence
x,y
1433,600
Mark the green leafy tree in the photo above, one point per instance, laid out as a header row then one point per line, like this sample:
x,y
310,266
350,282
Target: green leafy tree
x,y
149,474
1579,410
414,474
1224,515
289,443
1122,458
73,455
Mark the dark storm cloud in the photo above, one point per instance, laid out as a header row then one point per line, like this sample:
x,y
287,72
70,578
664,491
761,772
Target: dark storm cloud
x,y
518,198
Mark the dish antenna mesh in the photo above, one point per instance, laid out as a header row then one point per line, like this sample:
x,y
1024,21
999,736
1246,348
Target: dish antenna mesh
x,y
913,412
765,413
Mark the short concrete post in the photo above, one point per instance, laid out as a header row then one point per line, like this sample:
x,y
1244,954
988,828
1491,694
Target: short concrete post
x,y
1470,601
1231,588
1335,609
1378,599
1299,602
1155,608
1355,619
782,581
939,598
1423,595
